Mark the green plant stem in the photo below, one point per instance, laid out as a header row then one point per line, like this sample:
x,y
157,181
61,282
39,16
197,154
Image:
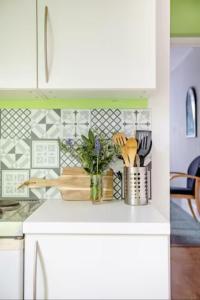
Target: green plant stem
x,y
97,164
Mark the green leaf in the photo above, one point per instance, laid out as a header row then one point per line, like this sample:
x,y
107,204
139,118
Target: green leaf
x,y
91,136
84,152
85,140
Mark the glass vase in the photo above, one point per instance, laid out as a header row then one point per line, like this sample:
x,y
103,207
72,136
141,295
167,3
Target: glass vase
x,y
96,188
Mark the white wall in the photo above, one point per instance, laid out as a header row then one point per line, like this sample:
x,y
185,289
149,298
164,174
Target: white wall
x,y
159,103
185,66
185,75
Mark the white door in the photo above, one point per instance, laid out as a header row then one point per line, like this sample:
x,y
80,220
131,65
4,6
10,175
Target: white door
x,y
18,44
97,267
96,44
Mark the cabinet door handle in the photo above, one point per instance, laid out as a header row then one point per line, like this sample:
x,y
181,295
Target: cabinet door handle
x,y
45,44
35,271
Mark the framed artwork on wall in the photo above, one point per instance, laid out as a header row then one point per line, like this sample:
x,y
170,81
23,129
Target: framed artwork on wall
x,y
191,113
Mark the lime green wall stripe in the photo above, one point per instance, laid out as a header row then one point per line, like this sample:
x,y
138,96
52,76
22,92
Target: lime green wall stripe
x,y
79,104
185,18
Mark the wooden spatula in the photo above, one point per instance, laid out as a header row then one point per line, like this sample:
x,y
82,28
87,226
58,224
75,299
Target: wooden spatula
x,y
131,146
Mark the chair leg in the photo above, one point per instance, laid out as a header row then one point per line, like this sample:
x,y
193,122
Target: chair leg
x,y
191,209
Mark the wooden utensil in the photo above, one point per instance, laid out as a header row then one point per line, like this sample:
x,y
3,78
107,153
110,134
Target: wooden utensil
x,y
124,152
73,184
137,160
120,140
131,146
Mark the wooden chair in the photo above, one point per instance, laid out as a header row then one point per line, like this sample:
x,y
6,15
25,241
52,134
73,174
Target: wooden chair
x,y
192,189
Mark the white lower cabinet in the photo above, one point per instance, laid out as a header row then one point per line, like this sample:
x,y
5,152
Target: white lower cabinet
x,y
96,267
11,270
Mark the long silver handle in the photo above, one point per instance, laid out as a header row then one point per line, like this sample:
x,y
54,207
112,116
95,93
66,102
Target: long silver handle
x,y
45,44
35,272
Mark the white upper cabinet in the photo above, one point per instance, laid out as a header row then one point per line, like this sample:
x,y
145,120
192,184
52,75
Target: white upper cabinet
x,y
18,68
94,44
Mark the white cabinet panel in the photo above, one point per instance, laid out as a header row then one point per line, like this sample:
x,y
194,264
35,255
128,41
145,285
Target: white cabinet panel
x,y
18,44
97,267
96,44
11,262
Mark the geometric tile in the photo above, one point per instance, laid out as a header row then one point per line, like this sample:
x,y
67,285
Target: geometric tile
x,y
38,193
11,179
66,159
45,173
43,193
45,124
15,123
136,120
117,188
144,120
15,154
53,193
106,121
31,136
45,154
0,183
75,123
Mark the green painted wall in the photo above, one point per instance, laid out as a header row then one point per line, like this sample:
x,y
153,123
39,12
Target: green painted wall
x,y
185,18
81,104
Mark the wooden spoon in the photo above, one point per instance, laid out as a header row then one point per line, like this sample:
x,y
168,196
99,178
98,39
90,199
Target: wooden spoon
x,y
131,146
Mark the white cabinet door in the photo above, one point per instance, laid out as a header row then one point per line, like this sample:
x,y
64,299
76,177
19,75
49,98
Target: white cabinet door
x,y
11,262
97,267
18,44
96,44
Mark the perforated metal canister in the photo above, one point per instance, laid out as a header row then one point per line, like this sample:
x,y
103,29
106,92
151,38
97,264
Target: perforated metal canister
x,y
135,185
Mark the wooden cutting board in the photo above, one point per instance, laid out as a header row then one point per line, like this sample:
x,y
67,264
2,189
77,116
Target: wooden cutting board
x,y
73,184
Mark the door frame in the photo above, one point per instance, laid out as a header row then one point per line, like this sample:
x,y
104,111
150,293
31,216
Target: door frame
x,y
192,42
185,41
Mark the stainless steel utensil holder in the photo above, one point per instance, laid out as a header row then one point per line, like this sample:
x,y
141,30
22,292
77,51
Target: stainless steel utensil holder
x,y
135,186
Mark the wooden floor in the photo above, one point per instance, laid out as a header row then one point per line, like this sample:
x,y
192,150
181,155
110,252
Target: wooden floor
x,y
185,273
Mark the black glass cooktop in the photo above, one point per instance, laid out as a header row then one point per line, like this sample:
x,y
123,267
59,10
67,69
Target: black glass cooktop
x,y
8,203
17,210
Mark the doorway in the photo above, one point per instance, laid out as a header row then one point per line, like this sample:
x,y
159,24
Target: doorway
x,y
184,148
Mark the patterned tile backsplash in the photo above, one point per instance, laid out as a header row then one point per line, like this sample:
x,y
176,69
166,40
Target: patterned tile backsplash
x,y
29,143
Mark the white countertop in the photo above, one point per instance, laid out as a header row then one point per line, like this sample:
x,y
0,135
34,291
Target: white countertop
x,y
82,217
